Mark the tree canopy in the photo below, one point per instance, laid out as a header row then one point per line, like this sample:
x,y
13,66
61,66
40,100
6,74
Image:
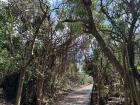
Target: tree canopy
x,y
42,42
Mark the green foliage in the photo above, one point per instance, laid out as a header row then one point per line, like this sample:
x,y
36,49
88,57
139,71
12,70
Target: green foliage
x,y
59,39
8,62
75,28
85,79
138,67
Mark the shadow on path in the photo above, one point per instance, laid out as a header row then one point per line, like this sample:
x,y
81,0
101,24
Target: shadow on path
x,y
77,97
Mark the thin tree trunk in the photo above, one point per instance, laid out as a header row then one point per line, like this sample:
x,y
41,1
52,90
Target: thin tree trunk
x,y
40,90
21,82
126,84
91,97
40,67
20,87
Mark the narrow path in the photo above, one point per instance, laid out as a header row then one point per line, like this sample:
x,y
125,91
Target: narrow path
x,y
78,97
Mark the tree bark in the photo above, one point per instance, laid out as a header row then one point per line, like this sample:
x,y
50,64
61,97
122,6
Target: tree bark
x,y
21,82
20,87
40,90
107,52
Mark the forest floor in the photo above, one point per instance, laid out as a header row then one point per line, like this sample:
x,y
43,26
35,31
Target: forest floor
x,y
77,97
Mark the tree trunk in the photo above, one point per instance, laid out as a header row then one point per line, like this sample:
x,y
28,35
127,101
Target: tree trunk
x,y
91,97
40,66
107,52
94,95
134,75
21,81
40,90
126,84
20,87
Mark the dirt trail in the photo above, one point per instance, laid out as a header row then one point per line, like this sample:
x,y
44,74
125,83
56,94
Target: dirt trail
x,y
77,97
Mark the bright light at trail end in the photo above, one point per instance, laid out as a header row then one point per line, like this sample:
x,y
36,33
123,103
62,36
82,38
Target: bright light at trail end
x,y
4,0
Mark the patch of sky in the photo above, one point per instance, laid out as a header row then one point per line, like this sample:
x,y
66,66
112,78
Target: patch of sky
x,y
54,4
4,0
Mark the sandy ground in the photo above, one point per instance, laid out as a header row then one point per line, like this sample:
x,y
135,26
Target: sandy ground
x,y
77,97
